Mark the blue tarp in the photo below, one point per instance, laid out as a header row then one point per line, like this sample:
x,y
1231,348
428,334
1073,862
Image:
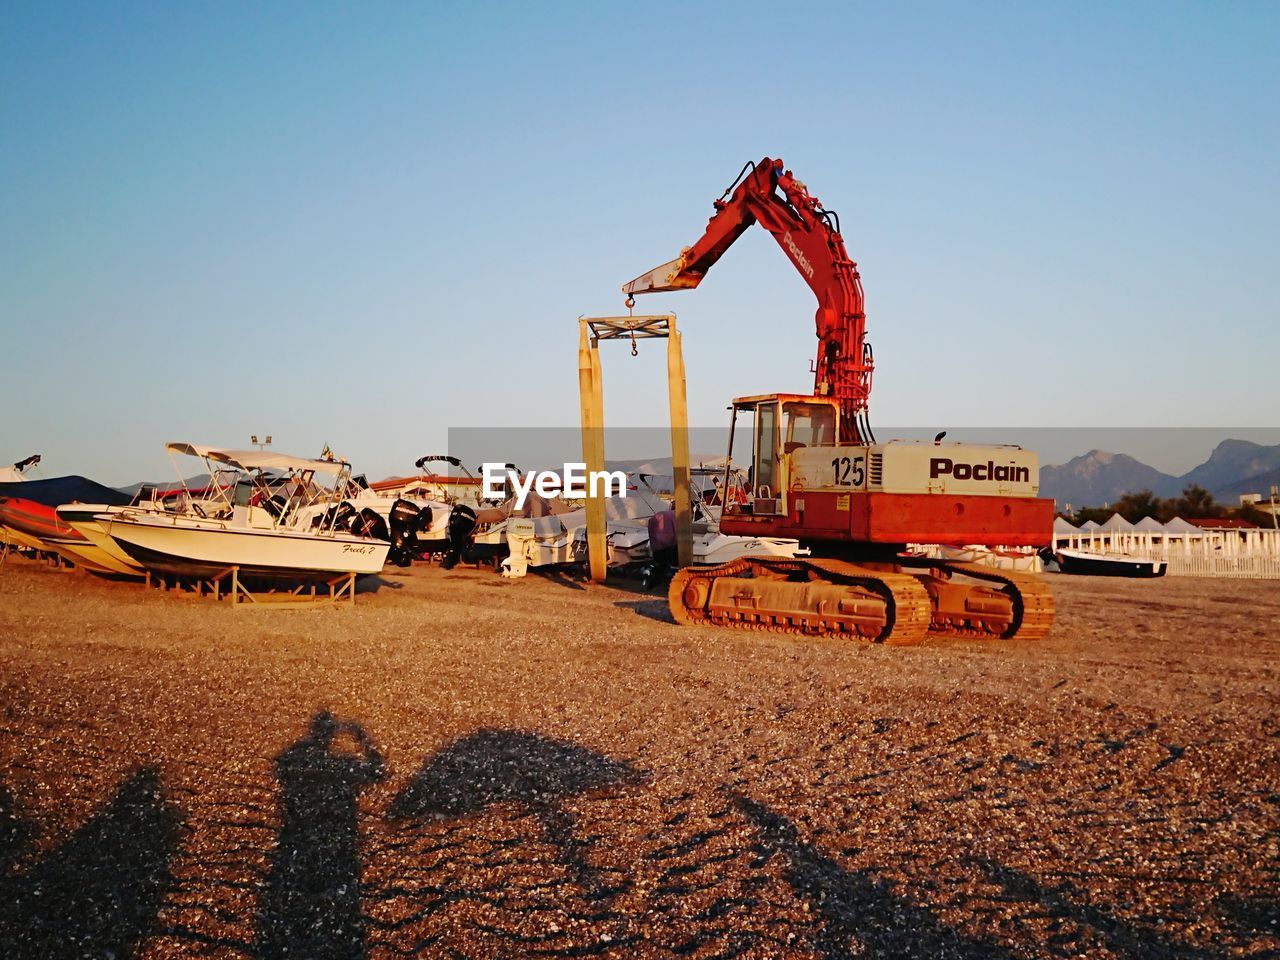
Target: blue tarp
x,y
60,490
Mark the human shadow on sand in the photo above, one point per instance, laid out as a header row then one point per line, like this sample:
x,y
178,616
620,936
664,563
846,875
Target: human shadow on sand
x,y
310,906
537,773
98,893
1122,938
854,907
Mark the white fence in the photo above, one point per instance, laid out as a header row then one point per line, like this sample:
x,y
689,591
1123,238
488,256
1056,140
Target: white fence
x,y
1244,554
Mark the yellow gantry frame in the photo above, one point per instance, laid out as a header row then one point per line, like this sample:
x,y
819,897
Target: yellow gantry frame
x,y
591,331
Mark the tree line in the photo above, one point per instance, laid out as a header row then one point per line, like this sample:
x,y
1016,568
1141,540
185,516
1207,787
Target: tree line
x,y
1195,503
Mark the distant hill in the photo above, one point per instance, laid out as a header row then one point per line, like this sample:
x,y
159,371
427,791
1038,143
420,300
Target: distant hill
x,y
1260,483
1232,463
1098,477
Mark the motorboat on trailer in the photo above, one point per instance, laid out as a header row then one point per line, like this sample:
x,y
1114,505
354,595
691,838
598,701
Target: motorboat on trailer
x,y
268,528
185,546
1083,562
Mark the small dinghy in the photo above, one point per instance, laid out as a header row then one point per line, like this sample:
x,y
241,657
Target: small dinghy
x,y
1108,565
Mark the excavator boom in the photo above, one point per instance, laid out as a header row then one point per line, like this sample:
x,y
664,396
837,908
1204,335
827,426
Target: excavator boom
x,y
810,237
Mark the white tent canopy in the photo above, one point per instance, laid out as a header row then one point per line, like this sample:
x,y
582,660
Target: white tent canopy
x,y
1149,525
1063,527
1117,524
1178,525
1089,526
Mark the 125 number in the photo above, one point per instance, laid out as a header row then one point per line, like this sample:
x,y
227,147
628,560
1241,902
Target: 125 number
x,y
849,471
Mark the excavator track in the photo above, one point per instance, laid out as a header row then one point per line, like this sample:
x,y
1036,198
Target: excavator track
x,y
824,597
1004,605
807,596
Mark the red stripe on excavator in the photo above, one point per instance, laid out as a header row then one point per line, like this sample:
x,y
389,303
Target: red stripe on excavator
x,y
907,518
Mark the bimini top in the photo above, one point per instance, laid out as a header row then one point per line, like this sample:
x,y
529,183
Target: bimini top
x,y
257,459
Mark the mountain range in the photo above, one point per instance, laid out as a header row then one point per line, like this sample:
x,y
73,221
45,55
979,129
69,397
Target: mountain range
x,y
1098,478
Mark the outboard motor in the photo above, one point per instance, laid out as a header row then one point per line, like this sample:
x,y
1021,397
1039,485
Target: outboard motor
x,y
457,533
404,540
335,518
372,525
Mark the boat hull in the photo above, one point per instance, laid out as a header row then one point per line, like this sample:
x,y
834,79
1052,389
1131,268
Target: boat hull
x,y
82,518
42,524
1100,565
20,539
187,549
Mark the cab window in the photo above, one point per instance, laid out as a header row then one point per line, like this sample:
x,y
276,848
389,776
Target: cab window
x,y
808,425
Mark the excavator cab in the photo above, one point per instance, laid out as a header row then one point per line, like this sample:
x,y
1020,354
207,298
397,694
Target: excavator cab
x,y
763,432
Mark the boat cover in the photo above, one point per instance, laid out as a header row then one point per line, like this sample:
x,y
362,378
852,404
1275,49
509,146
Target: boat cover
x,y
60,490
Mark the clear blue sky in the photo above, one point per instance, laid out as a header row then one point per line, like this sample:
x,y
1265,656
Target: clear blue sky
x,y
363,224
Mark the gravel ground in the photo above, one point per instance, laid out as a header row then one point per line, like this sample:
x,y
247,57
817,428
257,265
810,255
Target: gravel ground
x,y
462,766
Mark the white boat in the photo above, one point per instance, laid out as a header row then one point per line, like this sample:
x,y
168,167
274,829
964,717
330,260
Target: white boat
x,y
277,523
208,549
1108,564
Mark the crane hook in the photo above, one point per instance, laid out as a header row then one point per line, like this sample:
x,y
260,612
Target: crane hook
x,y
631,302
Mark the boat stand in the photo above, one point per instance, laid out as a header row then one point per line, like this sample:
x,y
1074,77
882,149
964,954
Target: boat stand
x,y
199,585
341,587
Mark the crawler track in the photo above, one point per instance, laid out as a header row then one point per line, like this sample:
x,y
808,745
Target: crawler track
x,y
824,597
813,597
1032,604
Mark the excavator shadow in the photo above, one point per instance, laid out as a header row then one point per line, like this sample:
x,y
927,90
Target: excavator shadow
x,y
651,608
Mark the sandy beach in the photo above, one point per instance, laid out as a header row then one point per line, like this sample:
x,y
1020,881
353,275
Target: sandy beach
x,y
463,766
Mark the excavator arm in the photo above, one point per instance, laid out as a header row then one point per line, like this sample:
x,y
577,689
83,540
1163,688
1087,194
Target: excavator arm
x,y
810,237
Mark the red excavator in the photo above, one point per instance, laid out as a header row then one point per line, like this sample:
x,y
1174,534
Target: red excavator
x,y
817,474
